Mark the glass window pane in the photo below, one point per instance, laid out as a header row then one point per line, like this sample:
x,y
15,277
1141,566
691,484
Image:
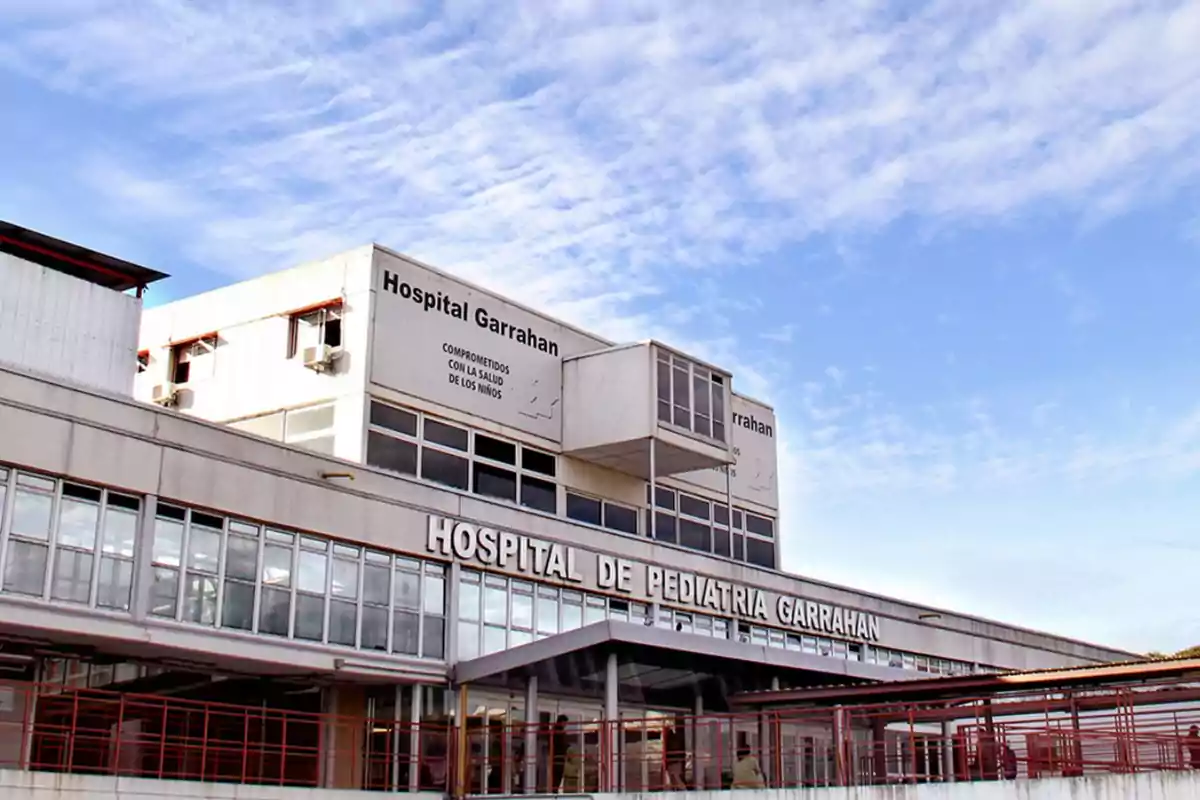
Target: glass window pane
x,y
408,590
72,576
547,614
760,552
387,452
516,638
163,592
25,572
664,381
406,633
583,509
31,514
321,444
241,558
204,549
537,461
445,435
693,506
664,527
345,578
375,583
760,525
696,535
538,494
308,420
495,449
434,640
200,599
468,600
237,606
468,640
116,578
374,628
620,518
721,542
393,418
168,542
495,639
720,513
435,594
700,386
593,611
274,611
495,605
120,531
495,482
664,498
277,565
77,522
311,572
572,616
310,617
343,623
444,468
522,610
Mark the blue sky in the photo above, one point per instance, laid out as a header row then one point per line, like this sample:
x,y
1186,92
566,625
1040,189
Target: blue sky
x,y
956,247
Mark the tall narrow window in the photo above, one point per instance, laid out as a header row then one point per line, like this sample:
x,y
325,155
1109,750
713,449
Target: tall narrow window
x,y
78,520
315,326
193,360
690,396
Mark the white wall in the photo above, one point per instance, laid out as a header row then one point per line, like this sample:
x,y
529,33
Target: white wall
x,y
250,373
17,785
1147,786
608,397
66,327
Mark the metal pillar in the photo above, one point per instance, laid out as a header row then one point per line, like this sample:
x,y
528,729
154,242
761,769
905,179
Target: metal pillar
x,y
415,756
699,731
947,752
611,717
531,718
143,571
653,483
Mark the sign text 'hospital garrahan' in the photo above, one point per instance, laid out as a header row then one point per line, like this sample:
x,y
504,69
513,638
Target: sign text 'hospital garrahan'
x,y
513,552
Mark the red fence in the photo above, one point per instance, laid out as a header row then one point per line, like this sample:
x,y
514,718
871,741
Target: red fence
x,y
1034,736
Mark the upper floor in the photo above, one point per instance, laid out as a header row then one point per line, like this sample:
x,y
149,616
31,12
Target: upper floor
x,y
375,358
68,311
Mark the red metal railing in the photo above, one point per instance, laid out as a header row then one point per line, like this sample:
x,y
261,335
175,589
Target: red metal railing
x,y
1032,736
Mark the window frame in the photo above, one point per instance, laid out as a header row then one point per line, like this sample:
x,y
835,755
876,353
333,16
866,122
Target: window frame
x,y
669,402
318,317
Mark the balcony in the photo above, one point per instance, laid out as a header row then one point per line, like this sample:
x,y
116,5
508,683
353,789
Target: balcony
x,y
646,410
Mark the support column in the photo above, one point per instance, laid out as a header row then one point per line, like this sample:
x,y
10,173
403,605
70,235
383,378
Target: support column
x,y
652,527
611,720
531,718
143,546
416,754
701,752
948,752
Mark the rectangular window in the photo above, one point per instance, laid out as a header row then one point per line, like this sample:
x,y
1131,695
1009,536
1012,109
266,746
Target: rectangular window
x,y
446,435
539,462
315,327
693,506
690,396
444,468
620,518
193,360
583,509
695,535
495,482
760,552
539,494
393,419
390,453
495,449
761,526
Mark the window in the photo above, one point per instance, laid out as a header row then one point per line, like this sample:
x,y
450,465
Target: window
x,y
193,360
117,539
241,570
690,396
313,327
310,427
460,458
78,524
584,509
143,361
603,513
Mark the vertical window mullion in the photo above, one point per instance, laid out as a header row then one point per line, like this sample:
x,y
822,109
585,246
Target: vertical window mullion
x,y
358,623
292,584
6,515
256,603
219,606
330,558
98,549
52,539
185,543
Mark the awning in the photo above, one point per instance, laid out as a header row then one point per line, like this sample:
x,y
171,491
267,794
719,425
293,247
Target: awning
x,y
74,260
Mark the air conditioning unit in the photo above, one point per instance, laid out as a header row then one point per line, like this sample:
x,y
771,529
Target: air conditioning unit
x,y
319,357
165,394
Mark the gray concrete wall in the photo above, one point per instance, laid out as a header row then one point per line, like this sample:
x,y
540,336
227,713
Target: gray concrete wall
x,y
117,442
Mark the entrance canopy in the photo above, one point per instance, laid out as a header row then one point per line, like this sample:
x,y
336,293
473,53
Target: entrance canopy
x,y
659,666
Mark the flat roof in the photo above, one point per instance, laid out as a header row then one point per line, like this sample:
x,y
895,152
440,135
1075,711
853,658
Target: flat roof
x,y
986,685
75,260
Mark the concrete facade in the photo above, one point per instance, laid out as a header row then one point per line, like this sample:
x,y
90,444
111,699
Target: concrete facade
x,y
100,439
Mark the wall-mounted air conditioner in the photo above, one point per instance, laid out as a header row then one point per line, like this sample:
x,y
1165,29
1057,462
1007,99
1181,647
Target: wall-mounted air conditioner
x,y
319,357
165,394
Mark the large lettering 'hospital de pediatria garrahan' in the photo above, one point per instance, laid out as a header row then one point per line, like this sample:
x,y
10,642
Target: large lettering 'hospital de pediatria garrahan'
x,y
399,495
